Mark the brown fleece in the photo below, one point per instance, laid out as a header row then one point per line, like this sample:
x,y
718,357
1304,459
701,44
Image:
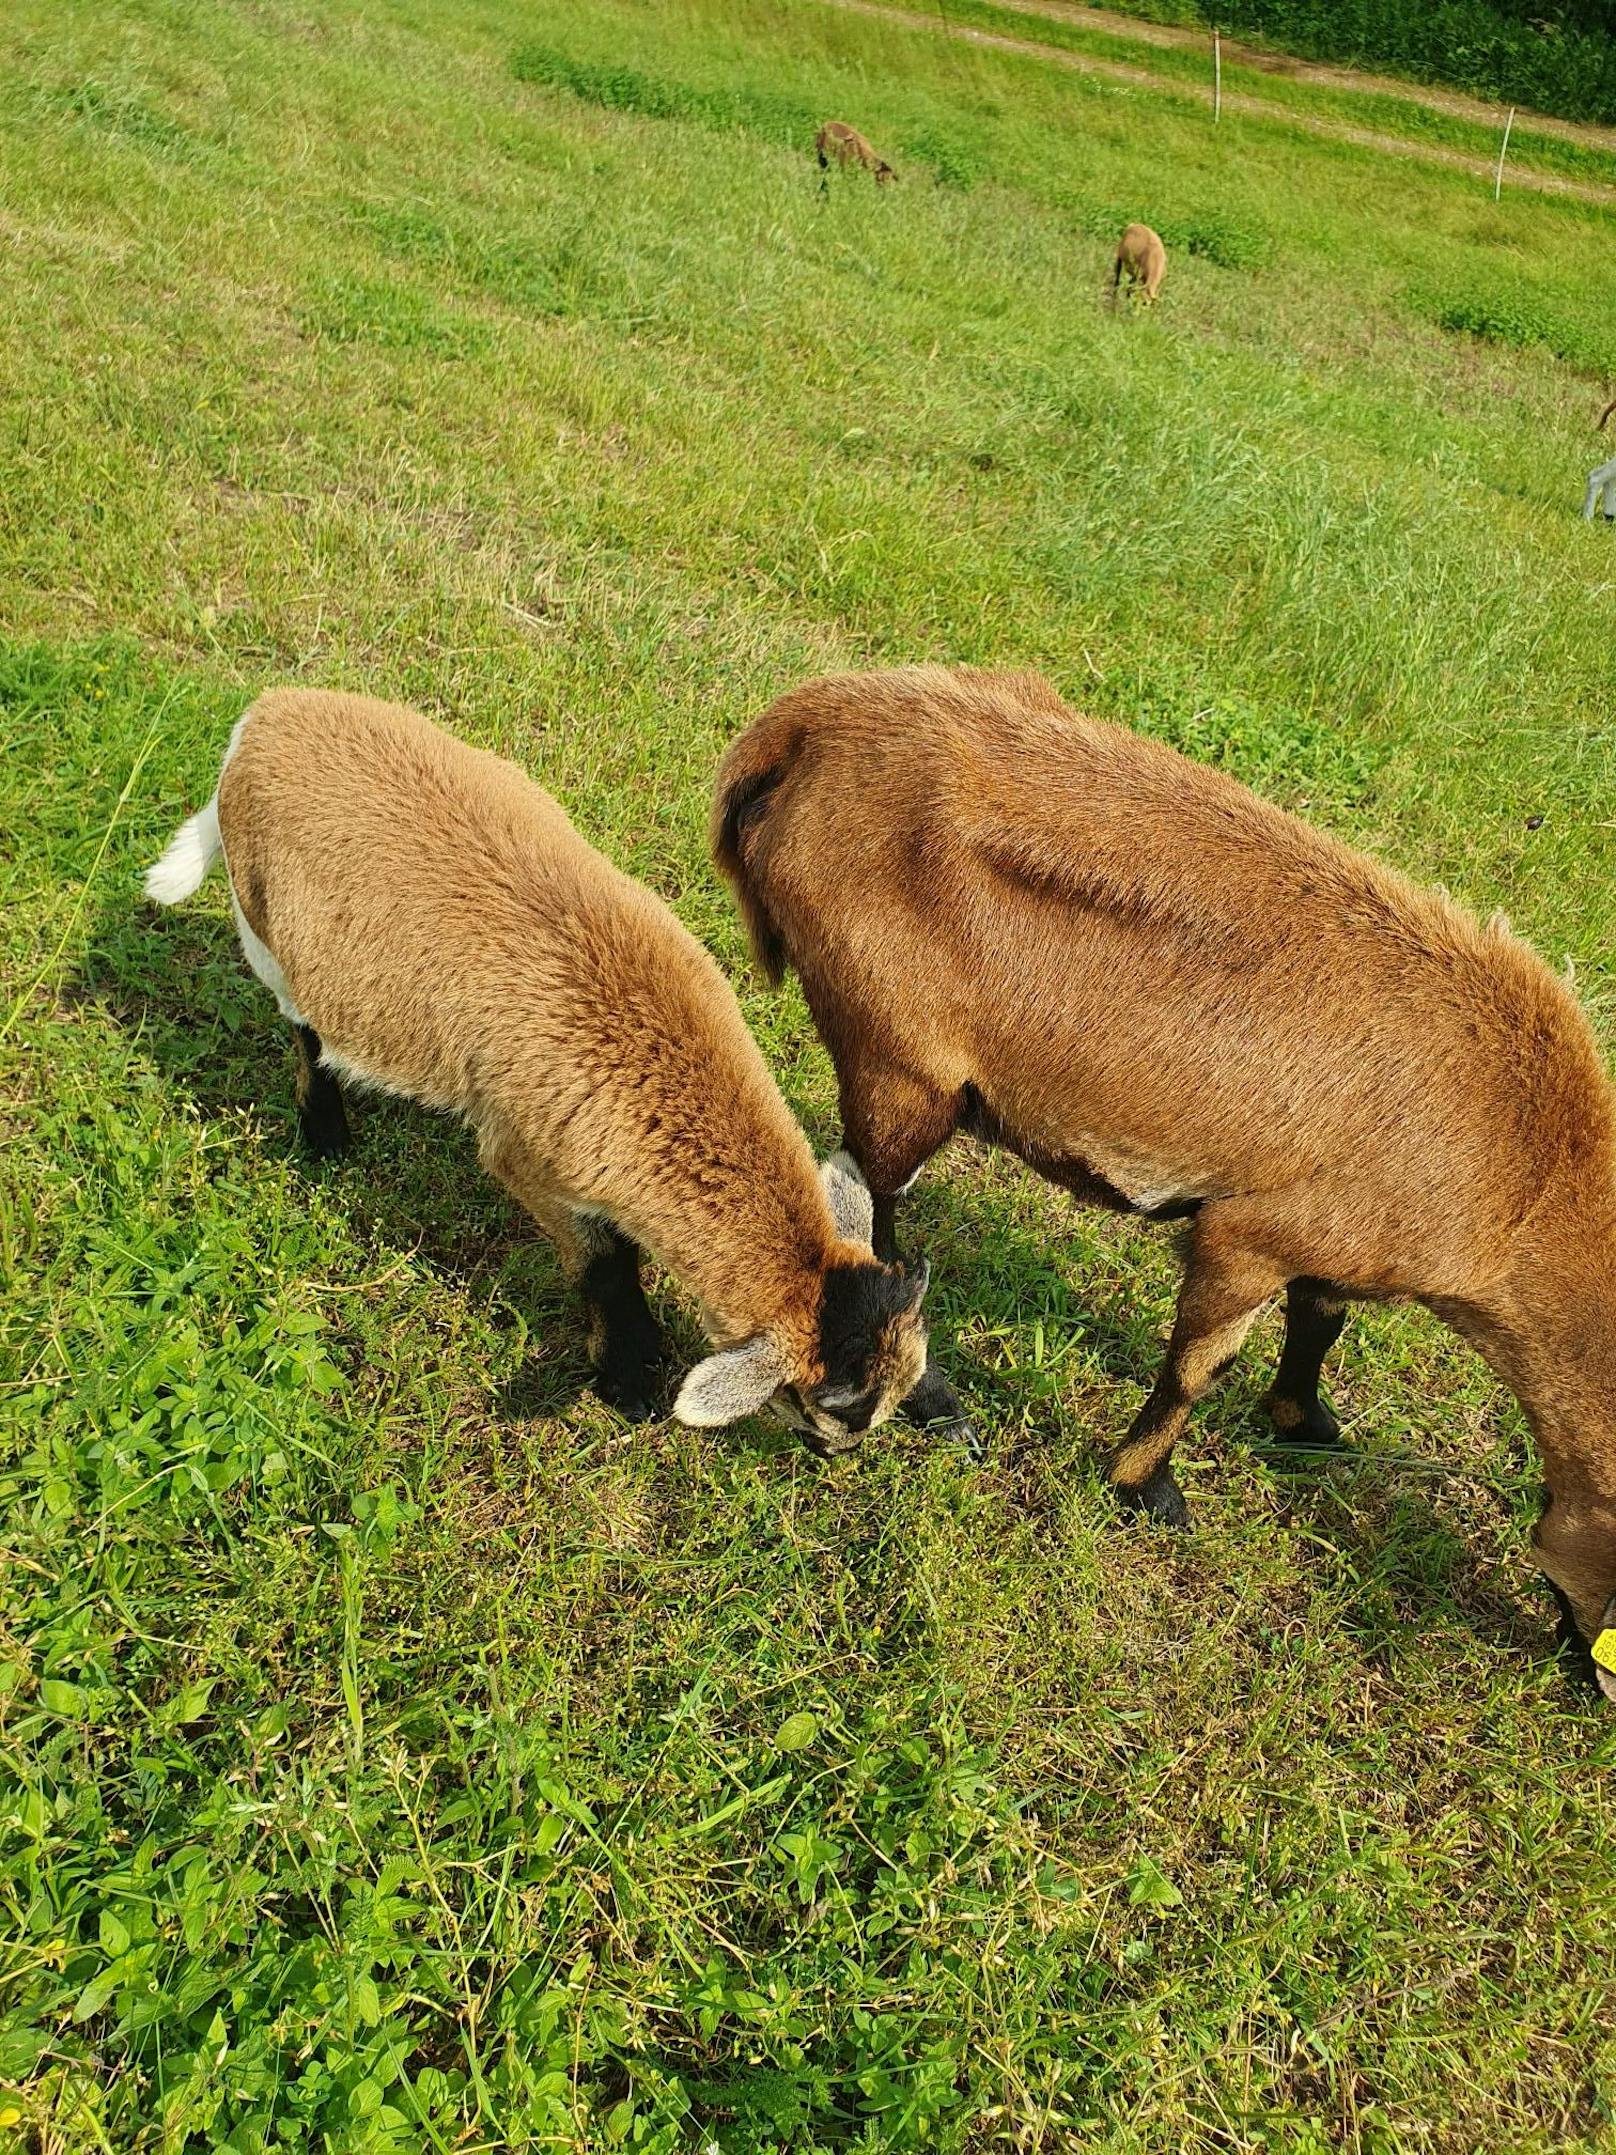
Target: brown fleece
x,y
449,936
1141,254
848,147
1150,983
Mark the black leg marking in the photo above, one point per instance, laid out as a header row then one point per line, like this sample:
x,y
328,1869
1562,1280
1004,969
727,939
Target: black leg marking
x,y
1159,1498
627,1342
320,1113
1571,1644
884,1233
1142,1465
935,1406
1314,1315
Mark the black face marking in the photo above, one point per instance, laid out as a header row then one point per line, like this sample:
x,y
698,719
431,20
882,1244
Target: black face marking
x,y
858,1305
321,1116
854,1414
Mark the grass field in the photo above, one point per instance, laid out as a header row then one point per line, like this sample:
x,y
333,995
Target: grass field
x,y
1426,120
398,1752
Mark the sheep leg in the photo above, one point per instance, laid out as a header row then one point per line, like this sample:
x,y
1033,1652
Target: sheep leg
x,y
321,1117
1602,480
1314,1315
624,1336
601,1263
892,1125
1575,1547
1226,1282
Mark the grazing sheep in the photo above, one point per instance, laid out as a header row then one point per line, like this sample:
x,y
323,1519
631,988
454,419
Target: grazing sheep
x,y
848,147
431,923
1602,481
1141,254
1172,998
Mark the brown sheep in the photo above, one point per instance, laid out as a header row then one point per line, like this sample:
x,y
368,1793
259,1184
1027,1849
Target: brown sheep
x,y
431,923
1172,998
848,147
1141,254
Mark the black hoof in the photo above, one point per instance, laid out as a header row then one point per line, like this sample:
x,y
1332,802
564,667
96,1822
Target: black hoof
x,y
960,1433
935,1407
1160,1499
1576,1655
325,1140
628,1395
1582,1671
1312,1428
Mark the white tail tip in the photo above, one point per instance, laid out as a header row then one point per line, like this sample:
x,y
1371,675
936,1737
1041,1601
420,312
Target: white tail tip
x,y
191,852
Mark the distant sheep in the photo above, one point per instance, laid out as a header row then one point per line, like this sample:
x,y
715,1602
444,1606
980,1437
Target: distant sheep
x,y
1602,481
837,140
431,923
1143,258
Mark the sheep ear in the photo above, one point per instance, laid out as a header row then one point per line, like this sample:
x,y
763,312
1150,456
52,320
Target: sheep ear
x,y
731,1384
848,1196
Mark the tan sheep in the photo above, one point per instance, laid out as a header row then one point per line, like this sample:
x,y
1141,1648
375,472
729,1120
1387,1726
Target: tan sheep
x,y
1141,255
848,147
431,923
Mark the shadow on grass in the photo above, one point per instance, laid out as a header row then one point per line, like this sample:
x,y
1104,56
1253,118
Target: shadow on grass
x,y
175,982
1383,1524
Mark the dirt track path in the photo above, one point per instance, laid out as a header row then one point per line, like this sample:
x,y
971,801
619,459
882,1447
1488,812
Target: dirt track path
x,y
1082,63
1456,103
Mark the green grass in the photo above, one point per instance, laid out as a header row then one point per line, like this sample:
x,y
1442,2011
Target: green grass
x,y
1187,69
395,1751
1553,60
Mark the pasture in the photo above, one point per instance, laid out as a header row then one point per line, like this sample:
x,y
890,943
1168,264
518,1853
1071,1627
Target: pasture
x,y
398,1752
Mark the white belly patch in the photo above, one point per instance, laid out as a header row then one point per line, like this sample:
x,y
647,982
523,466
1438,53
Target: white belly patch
x,y
262,960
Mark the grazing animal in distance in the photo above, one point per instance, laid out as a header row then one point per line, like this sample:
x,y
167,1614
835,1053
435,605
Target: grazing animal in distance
x,y
1141,255
848,147
1602,480
1172,998
430,923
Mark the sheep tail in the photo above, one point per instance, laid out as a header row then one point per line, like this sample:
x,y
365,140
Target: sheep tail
x,y
190,853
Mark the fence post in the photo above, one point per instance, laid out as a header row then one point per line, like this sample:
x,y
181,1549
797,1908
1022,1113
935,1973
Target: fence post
x,y
1498,176
1217,78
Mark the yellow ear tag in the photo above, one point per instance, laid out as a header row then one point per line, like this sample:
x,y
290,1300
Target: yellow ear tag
x,y
1604,1650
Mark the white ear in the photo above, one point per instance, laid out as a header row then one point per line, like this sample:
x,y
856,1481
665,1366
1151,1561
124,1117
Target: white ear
x,y
848,1195
732,1384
